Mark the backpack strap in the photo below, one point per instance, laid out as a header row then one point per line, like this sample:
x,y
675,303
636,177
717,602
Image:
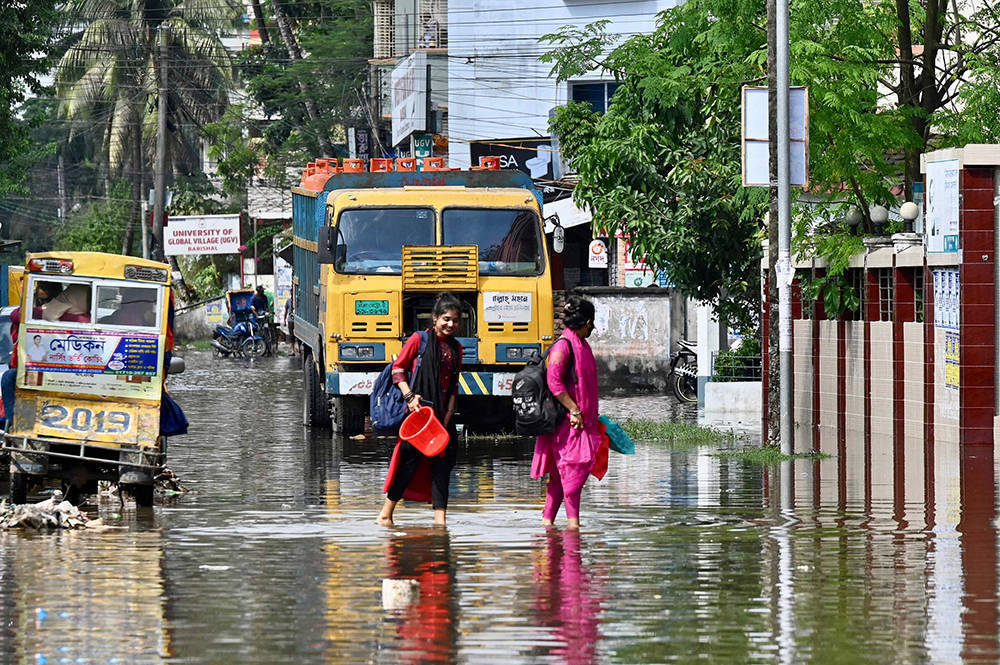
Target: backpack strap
x,y
572,358
420,354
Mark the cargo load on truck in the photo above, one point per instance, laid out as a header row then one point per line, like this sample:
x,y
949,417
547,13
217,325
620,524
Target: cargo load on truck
x,y
373,248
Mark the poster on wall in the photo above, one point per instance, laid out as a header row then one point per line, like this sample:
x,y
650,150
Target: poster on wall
x,y
952,360
946,298
91,362
941,222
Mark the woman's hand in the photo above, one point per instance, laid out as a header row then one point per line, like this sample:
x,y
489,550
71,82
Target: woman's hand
x,y
414,402
576,420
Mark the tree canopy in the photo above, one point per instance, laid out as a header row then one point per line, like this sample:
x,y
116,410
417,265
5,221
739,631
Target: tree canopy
x,y
25,38
887,79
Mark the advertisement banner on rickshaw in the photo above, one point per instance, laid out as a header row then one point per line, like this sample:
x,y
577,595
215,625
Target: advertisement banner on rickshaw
x,y
107,363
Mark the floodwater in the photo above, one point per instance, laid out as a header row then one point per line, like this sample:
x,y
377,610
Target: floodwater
x,y
274,556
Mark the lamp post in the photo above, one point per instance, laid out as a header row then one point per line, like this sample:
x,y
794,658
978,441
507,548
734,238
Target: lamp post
x,y
879,215
909,211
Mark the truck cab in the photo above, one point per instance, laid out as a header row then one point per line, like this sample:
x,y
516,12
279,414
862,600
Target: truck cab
x,y
372,252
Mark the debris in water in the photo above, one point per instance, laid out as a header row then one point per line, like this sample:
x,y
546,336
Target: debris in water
x,y
397,594
53,513
168,482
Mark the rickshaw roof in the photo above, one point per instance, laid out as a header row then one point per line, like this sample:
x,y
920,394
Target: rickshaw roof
x,y
100,264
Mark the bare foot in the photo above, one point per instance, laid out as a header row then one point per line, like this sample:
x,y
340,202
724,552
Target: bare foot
x,y
546,522
573,523
439,517
384,521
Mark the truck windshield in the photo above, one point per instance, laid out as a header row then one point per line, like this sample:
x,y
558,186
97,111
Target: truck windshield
x,y
508,240
370,240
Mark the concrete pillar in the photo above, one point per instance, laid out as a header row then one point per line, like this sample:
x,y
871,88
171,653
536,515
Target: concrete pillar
x,y
710,334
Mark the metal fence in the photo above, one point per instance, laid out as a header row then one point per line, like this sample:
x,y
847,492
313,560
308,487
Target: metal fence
x,y
729,367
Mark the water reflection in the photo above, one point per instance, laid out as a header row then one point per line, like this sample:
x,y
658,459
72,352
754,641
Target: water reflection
x,y
883,555
426,629
567,598
84,597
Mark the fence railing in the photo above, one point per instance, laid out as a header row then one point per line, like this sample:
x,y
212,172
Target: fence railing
x,y
728,367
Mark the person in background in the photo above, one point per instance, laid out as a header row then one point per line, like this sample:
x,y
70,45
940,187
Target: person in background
x,y
72,304
411,474
259,303
9,379
289,318
568,454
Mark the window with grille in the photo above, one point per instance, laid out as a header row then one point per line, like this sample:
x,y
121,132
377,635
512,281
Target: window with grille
x,y
383,15
433,23
885,287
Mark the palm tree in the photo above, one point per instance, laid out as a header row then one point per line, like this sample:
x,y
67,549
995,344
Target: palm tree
x,y
109,73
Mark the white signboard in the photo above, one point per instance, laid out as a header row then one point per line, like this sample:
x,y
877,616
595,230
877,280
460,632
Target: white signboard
x,y
409,97
756,154
507,306
941,223
597,257
205,234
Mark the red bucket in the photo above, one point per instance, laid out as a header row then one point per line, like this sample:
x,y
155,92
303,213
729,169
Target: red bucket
x,y
424,432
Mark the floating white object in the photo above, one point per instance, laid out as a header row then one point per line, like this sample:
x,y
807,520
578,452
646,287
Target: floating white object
x,y
397,594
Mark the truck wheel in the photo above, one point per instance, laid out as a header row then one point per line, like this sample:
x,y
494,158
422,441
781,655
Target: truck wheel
x,y
315,411
18,487
143,494
348,414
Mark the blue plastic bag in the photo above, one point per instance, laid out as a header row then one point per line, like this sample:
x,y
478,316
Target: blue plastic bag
x,y
618,440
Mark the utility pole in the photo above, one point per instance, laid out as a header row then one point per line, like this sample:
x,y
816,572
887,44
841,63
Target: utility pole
x,y
772,407
783,269
159,200
61,182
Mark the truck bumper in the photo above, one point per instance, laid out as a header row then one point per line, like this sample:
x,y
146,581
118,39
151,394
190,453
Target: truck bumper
x,y
469,383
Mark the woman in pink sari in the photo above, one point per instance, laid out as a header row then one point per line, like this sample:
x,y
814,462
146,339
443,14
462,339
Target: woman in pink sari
x,y
568,454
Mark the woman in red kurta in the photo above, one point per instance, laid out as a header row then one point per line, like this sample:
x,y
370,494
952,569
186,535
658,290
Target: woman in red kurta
x,y
412,475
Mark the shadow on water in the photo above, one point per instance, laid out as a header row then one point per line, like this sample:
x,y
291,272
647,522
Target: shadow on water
x,y
274,556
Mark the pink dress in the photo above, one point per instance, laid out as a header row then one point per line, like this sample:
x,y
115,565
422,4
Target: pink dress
x,y
571,452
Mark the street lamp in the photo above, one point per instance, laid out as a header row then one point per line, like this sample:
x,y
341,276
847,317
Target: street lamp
x,y
880,215
909,211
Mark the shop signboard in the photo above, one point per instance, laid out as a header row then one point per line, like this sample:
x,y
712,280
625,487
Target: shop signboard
x,y
533,155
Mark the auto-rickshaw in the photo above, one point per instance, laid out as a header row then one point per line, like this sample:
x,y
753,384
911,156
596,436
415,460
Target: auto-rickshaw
x,y
244,336
94,345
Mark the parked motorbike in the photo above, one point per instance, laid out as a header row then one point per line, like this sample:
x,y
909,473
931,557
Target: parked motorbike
x,y
241,340
683,377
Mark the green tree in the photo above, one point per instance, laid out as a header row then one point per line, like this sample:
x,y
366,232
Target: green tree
x,y
100,226
662,166
25,37
109,76
322,59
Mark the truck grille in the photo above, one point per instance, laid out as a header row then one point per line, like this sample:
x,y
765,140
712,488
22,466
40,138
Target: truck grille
x,y
453,267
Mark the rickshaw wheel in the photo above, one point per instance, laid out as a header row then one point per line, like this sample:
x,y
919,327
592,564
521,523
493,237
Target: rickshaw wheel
x,y
18,487
143,494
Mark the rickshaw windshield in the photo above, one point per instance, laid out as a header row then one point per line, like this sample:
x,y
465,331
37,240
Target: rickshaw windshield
x,y
93,303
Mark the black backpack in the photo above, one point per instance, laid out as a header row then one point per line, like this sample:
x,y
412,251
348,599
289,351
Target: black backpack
x,y
536,410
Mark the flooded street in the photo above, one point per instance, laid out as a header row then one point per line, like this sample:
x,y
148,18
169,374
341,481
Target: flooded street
x,y
274,557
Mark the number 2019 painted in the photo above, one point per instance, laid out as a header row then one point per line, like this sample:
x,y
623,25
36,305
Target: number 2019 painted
x,y
84,420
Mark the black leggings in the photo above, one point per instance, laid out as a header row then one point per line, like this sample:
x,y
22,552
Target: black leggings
x,y
441,466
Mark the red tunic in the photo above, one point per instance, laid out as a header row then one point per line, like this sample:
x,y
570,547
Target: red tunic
x,y
419,488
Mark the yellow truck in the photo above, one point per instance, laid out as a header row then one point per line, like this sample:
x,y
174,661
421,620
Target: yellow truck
x,y
373,248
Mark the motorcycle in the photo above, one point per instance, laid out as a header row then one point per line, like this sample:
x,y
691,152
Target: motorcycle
x,y
243,338
683,377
